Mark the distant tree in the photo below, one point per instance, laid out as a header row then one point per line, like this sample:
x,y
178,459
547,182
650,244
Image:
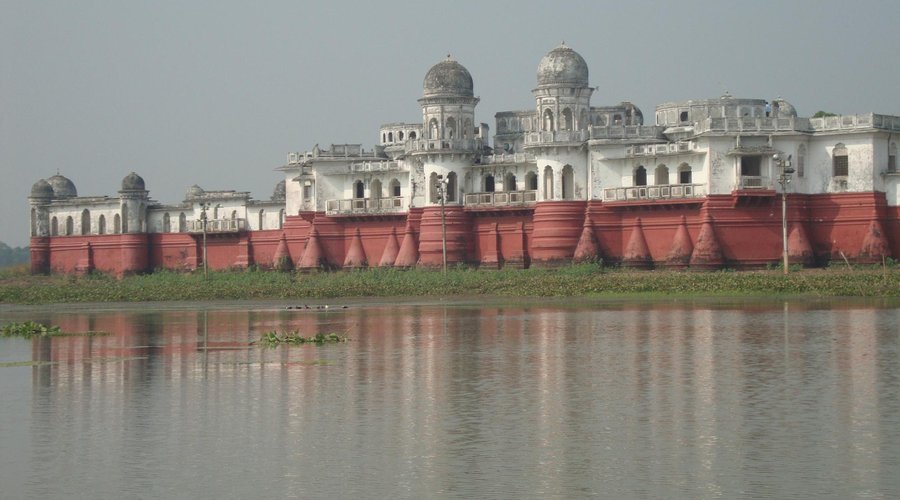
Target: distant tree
x,y
11,256
823,114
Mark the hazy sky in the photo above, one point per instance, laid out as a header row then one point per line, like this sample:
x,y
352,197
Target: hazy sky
x,y
217,93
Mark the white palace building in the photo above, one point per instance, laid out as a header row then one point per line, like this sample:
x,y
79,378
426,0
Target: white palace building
x,y
696,184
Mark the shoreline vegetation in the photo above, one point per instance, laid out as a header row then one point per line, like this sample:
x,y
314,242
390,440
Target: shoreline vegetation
x,y
17,286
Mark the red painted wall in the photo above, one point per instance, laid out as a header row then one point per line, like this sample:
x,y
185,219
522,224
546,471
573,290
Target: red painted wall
x,y
747,229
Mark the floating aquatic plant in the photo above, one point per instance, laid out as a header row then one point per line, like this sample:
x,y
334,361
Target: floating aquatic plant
x,y
272,338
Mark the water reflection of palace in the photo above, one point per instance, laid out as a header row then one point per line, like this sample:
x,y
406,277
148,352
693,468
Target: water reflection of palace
x,y
480,387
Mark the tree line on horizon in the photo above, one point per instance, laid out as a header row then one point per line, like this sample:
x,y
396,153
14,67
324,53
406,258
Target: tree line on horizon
x,y
11,256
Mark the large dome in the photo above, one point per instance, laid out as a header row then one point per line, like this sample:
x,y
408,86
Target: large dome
x,y
133,182
562,67
448,78
62,187
42,189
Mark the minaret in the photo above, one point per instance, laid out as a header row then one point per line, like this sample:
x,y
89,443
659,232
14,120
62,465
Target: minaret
x,y
134,241
448,147
563,109
41,196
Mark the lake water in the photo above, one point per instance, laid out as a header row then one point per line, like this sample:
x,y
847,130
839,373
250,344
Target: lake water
x,y
549,399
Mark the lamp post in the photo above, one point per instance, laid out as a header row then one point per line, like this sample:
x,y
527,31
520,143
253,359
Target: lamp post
x,y
203,220
442,191
784,179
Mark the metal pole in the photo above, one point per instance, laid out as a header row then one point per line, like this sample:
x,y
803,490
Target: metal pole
x,y
443,229
205,265
784,235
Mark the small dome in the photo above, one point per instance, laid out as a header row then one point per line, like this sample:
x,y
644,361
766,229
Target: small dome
x,y
195,191
782,108
448,78
42,189
279,193
133,182
562,66
62,187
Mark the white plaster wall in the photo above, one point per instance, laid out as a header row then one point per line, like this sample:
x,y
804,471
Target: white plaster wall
x,y
860,158
577,159
106,208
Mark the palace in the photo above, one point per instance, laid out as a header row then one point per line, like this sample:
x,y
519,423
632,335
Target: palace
x,y
699,186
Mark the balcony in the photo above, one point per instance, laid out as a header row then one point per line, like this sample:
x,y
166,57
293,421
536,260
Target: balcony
x,y
500,199
439,145
216,226
662,192
564,136
366,206
660,149
755,182
507,158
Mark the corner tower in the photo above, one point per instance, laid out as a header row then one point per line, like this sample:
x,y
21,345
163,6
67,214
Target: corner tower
x,y
448,147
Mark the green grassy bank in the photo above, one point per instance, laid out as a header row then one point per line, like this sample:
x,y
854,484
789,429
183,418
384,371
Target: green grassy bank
x,y
16,286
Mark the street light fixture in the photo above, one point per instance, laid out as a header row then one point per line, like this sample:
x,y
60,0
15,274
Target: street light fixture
x,y
203,220
442,191
784,179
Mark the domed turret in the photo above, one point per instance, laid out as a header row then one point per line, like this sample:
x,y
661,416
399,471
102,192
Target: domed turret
x,y
448,78
562,66
783,109
194,192
279,193
133,182
62,187
42,189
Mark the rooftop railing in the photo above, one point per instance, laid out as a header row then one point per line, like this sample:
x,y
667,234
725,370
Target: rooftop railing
x,y
366,206
217,225
661,192
500,199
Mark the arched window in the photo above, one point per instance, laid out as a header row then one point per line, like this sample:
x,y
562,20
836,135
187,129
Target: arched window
x,y
565,119
661,176
216,211
54,226
548,182
412,136
167,223
390,137
182,223
359,190
261,223
801,160
233,214
281,218
124,218
383,138
117,224
489,183
70,226
451,187
617,119
85,222
433,129
400,135
568,183
433,195
640,176
509,182
548,120
684,174
840,160
394,187
101,224
531,181
375,189
450,128
892,157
